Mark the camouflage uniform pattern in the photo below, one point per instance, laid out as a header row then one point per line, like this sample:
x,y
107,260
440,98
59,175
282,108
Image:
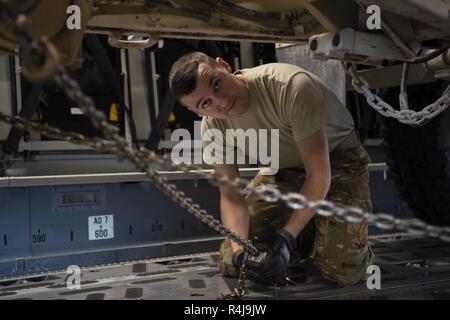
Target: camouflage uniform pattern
x,y
340,249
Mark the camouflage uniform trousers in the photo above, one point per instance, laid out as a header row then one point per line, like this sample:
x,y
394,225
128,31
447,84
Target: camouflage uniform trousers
x,y
340,249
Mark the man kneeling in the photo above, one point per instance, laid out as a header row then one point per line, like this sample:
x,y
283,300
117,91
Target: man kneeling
x,y
320,156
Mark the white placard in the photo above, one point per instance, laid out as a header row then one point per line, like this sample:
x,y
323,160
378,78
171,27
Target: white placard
x,y
101,227
76,111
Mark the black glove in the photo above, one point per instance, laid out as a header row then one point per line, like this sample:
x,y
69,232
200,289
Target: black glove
x,y
270,266
238,259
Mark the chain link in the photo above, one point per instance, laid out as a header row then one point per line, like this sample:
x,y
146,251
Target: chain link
x,y
143,159
240,289
405,115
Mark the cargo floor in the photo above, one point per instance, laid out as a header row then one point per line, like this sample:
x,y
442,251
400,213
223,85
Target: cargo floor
x,y
411,268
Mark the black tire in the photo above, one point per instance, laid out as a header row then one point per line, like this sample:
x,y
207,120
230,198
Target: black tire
x,y
419,162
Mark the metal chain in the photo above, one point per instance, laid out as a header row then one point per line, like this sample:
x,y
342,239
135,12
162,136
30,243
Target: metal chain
x,y
142,158
405,115
115,142
240,290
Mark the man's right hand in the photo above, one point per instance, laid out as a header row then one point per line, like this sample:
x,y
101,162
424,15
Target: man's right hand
x,y
256,269
269,267
239,258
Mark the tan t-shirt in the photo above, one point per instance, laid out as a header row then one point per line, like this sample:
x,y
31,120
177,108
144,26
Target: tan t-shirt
x,y
288,98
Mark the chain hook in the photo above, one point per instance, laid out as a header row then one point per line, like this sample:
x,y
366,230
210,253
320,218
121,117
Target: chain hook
x,y
240,289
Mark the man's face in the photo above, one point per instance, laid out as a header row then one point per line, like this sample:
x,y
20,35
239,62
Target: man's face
x,y
219,93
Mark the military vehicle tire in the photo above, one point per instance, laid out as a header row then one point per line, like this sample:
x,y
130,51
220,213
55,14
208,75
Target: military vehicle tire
x,y
419,163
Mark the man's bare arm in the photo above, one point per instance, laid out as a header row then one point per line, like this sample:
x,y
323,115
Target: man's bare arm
x,y
233,207
315,155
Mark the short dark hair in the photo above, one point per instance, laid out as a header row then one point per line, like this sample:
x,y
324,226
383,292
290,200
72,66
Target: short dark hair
x,y
183,74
